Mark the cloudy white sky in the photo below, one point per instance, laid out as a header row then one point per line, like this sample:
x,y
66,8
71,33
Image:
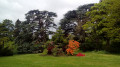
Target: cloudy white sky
x,y
16,9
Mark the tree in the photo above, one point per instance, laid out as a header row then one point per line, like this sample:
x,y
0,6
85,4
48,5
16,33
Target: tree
x,y
74,20
34,30
81,20
68,26
6,36
104,20
6,31
17,28
59,39
43,20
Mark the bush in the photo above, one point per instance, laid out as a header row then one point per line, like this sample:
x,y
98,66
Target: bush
x,y
45,52
15,51
8,49
114,47
30,48
12,46
91,45
57,51
5,51
37,48
87,47
72,46
49,45
24,48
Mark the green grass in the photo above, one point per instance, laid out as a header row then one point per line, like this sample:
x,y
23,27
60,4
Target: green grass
x,y
92,59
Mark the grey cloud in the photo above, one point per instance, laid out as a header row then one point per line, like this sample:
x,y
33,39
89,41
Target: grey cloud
x,y
14,9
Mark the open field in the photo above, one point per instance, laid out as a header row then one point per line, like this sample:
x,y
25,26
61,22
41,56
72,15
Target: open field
x,y
91,59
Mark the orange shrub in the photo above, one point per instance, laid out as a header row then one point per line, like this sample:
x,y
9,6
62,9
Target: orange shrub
x,y
72,46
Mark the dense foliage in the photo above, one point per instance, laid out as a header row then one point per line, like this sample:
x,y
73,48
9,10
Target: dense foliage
x,y
94,26
7,46
32,33
103,27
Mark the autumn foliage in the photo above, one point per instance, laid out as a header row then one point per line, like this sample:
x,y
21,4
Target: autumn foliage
x,y
72,46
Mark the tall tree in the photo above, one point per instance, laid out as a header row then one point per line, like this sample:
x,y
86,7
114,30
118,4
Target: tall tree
x,y
43,20
34,30
6,31
104,20
74,20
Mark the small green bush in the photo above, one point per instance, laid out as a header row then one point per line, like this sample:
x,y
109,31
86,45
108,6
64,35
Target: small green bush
x,y
57,51
45,52
54,51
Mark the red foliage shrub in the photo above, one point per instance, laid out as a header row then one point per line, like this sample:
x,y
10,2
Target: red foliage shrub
x,y
80,54
50,47
72,46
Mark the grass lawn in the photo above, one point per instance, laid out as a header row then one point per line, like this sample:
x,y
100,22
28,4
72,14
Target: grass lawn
x,y
91,59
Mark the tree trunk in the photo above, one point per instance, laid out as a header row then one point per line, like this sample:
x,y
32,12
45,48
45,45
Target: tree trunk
x,y
107,43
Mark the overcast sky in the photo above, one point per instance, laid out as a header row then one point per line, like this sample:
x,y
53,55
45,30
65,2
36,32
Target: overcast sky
x,y
16,9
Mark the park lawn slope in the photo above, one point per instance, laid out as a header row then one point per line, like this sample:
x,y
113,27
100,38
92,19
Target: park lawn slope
x,y
91,59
